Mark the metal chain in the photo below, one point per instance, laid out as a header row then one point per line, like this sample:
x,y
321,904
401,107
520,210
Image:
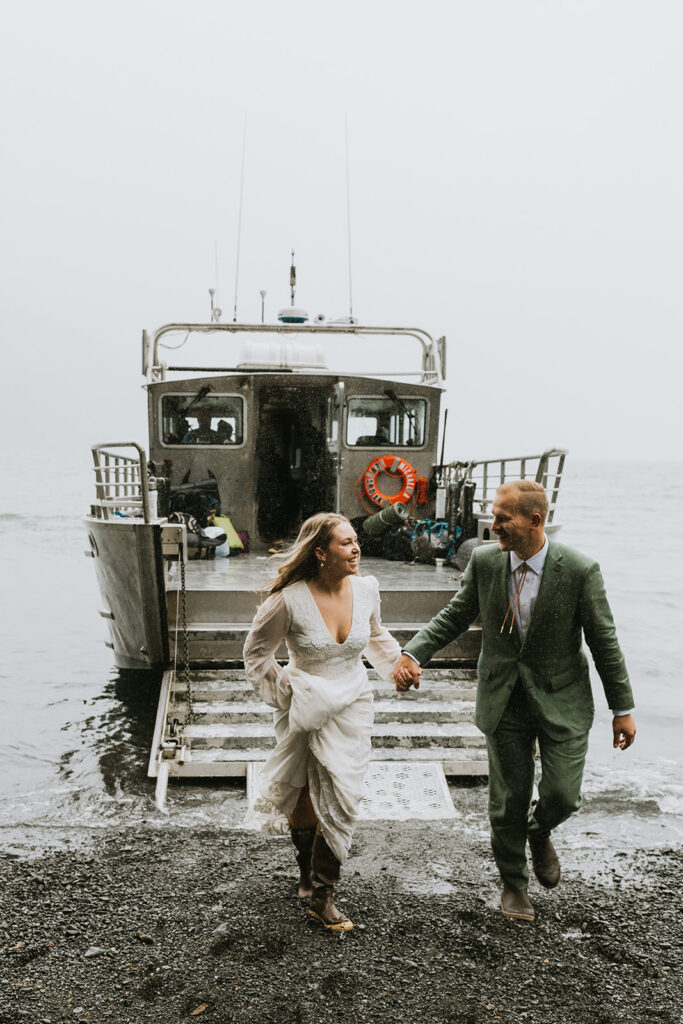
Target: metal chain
x,y
186,648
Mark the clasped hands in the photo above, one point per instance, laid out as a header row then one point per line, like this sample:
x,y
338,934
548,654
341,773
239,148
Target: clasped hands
x,y
407,673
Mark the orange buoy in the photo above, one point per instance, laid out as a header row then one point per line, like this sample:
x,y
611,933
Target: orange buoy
x,y
394,466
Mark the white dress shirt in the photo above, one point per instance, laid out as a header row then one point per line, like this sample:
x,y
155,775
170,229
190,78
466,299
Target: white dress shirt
x,y
529,592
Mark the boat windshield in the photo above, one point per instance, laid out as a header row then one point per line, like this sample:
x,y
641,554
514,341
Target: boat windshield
x,y
389,422
207,420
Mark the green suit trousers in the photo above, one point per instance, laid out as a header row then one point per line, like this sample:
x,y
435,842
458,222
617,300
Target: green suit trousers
x,y
511,750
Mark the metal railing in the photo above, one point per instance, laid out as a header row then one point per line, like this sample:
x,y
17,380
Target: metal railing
x,y
121,483
433,352
545,469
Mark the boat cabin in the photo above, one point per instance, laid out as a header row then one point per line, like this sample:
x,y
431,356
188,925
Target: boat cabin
x,y
284,437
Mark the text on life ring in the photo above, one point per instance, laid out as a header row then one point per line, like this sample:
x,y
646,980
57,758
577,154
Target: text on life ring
x,y
394,466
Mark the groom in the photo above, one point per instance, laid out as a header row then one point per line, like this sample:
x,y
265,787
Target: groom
x,y
535,600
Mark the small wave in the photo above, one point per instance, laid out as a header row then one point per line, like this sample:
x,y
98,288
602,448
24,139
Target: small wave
x,y
43,525
620,803
28,754
671,802
646,797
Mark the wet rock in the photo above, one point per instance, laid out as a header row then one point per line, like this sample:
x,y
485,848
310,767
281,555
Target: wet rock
x,y
222,929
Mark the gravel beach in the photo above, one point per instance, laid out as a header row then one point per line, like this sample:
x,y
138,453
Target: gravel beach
x,y
160,924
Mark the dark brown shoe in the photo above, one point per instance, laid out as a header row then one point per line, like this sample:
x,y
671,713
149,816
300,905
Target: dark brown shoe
x,y
544,860
516,903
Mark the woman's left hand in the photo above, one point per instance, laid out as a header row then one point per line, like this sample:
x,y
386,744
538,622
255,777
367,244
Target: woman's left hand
x,y
406,674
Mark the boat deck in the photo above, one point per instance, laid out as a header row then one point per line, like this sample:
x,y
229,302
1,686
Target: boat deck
x,y
250,572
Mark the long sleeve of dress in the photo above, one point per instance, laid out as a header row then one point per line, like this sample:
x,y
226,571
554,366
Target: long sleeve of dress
x,y
383,651
268,630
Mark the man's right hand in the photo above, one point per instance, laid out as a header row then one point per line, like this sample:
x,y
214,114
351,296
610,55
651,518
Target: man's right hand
x,y
407,673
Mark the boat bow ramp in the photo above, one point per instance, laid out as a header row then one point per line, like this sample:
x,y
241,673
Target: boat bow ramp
x,y
210,723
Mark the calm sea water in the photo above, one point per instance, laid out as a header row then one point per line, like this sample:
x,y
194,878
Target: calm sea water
x,y
76,734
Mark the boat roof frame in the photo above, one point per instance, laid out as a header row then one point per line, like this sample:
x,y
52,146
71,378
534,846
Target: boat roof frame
x,y
433,353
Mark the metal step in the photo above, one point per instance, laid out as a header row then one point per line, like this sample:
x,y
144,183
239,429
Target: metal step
x,y
220,642
235,673
232,728
236,712
392,734
221,762
461,686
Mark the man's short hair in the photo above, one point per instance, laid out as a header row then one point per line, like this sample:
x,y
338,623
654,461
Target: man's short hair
x,y
531,497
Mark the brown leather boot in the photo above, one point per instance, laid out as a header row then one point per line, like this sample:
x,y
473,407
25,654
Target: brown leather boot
x,y
324,875
303,840
516,903
545,860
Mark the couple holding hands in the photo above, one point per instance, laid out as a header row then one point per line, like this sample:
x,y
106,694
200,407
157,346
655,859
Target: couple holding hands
x,y
537,600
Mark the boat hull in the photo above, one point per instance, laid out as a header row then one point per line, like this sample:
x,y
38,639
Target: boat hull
x,y
129,569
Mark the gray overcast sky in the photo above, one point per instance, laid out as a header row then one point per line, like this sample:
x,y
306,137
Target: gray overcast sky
x,y
516,171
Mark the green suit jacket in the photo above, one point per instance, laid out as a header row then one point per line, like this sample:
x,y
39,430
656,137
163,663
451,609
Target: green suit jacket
x,y
550,663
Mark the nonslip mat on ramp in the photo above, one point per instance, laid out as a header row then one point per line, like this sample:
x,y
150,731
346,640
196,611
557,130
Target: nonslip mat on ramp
x,y
392,791
405,791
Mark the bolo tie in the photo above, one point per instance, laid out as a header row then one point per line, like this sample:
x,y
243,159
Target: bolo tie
x,y
514,600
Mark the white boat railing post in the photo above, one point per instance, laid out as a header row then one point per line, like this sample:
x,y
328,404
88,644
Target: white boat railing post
x,y
488,475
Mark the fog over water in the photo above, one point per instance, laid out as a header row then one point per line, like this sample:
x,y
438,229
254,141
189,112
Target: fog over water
x,y
515,179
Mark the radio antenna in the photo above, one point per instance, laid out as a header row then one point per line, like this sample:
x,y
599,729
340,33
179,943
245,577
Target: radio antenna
x,y
239,218
216,311
348,212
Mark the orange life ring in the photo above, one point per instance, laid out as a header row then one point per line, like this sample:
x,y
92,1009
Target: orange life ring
x,y
394,466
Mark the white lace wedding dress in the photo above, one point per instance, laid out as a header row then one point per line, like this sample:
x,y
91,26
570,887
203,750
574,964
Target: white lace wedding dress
x,y
323,701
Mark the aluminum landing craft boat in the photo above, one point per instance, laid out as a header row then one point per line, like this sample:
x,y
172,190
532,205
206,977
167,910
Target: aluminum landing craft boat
x,y
272,435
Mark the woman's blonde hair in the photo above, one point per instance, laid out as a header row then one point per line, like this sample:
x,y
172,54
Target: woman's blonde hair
x,y
299,561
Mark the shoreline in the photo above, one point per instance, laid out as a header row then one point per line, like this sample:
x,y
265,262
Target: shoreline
x,y
122,929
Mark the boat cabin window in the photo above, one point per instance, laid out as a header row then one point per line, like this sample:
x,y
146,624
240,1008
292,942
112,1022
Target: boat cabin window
x,y
388,422
201,419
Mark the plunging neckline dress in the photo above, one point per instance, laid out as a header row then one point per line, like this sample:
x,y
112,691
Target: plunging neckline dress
x,y
322,617
323,702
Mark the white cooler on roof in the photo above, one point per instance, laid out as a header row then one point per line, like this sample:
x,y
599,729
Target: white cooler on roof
x,y
278,354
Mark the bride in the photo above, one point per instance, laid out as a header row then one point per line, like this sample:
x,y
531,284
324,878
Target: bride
x,y
329,617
